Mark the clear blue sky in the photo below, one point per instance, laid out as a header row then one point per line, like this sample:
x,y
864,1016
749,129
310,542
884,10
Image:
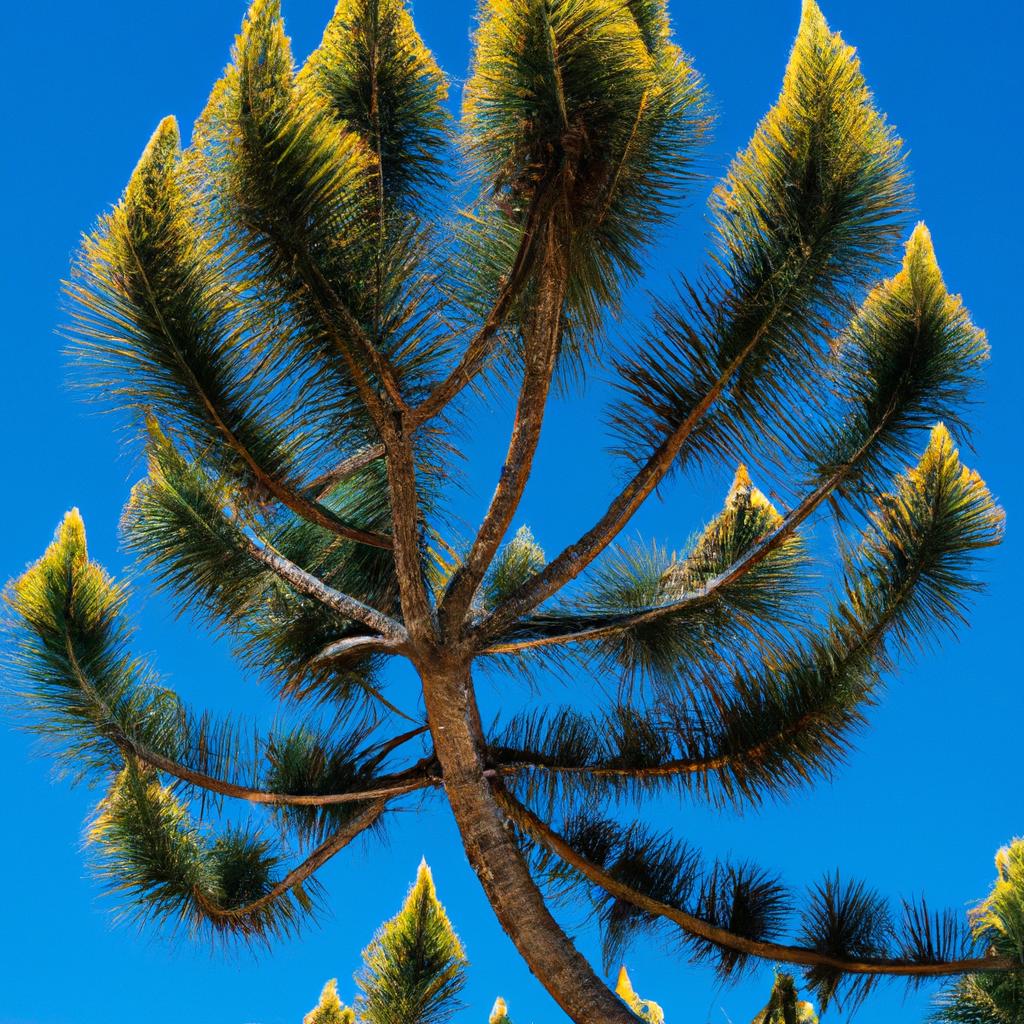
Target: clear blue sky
x,y
934,787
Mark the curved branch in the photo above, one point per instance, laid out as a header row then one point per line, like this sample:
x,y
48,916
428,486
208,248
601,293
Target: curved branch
x,y
324,484
387,786
761,550
309,585
357,645
476,352
607,625
302,506
384,787
320,856
777,952
575,558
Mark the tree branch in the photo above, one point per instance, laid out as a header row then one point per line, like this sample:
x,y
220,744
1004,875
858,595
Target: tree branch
x,y
777,952
323,853
541,356
575,558
300,505
324,484
305,583
385,787
476,352
567,566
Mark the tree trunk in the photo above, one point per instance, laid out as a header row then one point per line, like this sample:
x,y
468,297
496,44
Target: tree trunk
x,y
498,862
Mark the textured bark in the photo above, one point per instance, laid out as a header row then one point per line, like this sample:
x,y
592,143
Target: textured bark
x,y
497,860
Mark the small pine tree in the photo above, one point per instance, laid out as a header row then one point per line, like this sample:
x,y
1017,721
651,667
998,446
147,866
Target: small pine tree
x,y
329,1010
499,1013
999,924
784,1007
414,968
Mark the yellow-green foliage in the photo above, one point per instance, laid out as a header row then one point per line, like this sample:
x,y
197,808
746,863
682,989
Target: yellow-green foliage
x,y
645,1009
415,966
998,923
329,1010
999,919
373,70
292,182
784,1007
587,108
518,559
64,584
748,516
823,124
499,1013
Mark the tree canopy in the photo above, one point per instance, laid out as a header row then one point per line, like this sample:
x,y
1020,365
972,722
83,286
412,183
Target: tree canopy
x,y
293,311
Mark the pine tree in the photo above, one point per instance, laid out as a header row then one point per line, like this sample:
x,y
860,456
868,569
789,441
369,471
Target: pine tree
x,y
415,966
291,314
784,1007
998,923
329,1010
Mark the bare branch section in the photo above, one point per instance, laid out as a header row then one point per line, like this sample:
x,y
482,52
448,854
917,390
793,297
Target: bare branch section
x,y
575,558
776,952
305,583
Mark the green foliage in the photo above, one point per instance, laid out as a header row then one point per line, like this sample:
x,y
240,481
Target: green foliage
x,y
381,82
998,922
910,357
784,1007
588,107
293,307
329,1010
415,966
84,691
177,525
517,561
160,865
808,211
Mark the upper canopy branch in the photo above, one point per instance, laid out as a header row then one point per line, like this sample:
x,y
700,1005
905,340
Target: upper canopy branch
x,y
474,357
541,339
309,585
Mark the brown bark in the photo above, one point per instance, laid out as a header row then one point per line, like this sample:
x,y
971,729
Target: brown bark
x,y
492,851
542,338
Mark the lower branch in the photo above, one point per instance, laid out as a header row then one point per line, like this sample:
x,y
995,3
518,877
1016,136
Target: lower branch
x,y
777,952
384,787
316,860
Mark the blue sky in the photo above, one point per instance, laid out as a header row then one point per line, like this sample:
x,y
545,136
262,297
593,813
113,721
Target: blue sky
x,y
932,790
